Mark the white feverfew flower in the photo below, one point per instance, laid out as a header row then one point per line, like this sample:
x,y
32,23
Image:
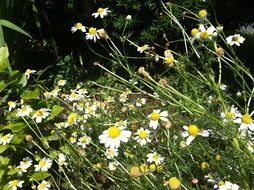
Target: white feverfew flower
x,y
25,110
41,114
61,82
29,72
44,185
246,122
43,165
84,141
192,131
25,163
232,115
128,17
62,160
235,39
102,12
140,102
113,136
54,92
154,157
14,184
5,139
142,136
223,87
111,153
11,105
143,48
112,166
228,186
155,116
78,26
92,34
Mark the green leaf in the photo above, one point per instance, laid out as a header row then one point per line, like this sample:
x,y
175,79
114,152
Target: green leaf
x,y
31,94
1,174
23,80
55,111
7,187
12,26
18,139
15,127
3,148
4,161
13,171
39,176
3,85
4,54
65,149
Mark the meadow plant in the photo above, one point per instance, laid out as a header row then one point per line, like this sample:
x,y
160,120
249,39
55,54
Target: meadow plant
x,y
181,128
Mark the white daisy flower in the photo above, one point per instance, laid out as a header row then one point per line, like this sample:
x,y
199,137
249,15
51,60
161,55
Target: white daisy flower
x,y
84,141
92,34
11,105
111,153
61,82
78,26
71,119
43,165
223,87
73,96
206,33
235,39
62,160
41,114
5,139
246,122
228,185
54,92
231,115
142,136
14,184
25,110
29,72
101,12
113,136
26,163
154,157
113,165
44,185
192,132
143,48
140,102
155,116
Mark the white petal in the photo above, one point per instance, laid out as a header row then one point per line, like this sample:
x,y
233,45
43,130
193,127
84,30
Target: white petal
x,y
189,140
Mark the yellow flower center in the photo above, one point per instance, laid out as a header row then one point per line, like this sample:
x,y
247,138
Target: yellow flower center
x,y
169,60
14,183
92,30
79,25
155,157
100,10
23,109
39,113
235,39
155,116
11,103
230,115
5,138
202,13
41,186
114,132
28,71
144,47
204,35
174,183
42,163
193,130
84,139
246,118
143,134
194,31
